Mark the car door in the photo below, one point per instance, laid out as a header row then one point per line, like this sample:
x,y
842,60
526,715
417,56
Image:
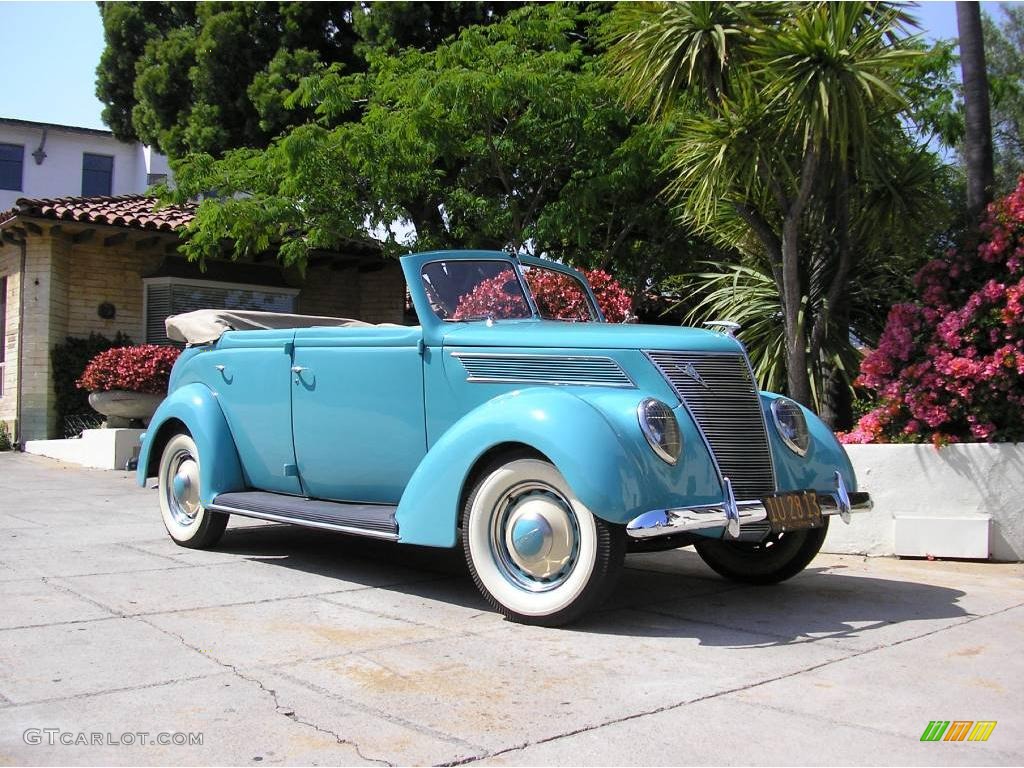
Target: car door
x,y
250,373
357,411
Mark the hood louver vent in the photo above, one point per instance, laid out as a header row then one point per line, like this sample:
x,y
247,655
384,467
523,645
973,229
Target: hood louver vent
x,y
543,369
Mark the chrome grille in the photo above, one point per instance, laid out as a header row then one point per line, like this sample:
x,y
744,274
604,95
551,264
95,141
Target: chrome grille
x,y
543,369
719,392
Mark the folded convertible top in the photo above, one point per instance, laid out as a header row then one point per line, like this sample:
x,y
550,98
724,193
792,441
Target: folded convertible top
x,y
205,326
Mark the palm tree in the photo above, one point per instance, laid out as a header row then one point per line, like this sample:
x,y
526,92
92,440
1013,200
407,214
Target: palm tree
x,y
977,121
780,109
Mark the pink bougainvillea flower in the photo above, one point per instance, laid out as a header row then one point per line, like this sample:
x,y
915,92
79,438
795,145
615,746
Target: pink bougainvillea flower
x,y
950,367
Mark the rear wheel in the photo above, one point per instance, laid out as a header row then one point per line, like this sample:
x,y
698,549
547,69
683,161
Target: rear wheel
x,y
534,550
778,557
187,521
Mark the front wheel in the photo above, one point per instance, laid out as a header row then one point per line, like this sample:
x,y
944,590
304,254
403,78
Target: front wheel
x,y
534,550
187,521
778,557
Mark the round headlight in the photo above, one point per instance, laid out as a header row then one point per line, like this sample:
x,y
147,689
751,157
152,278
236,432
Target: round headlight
x,y
661,429
791,425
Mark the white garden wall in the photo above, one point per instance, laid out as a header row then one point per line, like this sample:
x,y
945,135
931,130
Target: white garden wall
x,y
939,496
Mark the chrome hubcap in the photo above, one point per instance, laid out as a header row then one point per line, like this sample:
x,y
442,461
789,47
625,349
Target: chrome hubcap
x,y
535,536
183,488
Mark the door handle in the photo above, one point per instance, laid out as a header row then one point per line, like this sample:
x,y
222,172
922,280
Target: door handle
x,y
297,369
219,368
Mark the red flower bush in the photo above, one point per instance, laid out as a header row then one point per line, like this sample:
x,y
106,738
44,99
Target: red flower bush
x,y
558,297
950,367
144,368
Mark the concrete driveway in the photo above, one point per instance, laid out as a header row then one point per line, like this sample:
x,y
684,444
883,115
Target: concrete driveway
x,y
287,646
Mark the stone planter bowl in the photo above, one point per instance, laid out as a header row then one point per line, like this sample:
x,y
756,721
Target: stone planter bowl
x,y
121,406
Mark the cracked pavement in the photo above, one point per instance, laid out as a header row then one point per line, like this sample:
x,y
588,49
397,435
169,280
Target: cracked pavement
x,y
290,646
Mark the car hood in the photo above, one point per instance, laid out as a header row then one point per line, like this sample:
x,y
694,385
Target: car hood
x,y
564,335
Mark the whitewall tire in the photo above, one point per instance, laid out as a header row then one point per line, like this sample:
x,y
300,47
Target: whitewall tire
x,y
187,521
535,551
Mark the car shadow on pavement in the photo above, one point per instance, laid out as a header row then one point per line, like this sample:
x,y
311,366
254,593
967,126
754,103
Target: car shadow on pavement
x,y
670,594
819,604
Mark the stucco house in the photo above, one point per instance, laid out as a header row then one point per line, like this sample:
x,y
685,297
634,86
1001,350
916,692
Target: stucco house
x,y
75,265
45,160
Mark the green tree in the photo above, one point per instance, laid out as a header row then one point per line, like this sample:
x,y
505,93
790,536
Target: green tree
x,y
788,118
127,29
214,76
184,76
1004,56
508,136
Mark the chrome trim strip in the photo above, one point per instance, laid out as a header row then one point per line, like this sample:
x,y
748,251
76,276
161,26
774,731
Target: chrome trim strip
x,y
550,359
307,523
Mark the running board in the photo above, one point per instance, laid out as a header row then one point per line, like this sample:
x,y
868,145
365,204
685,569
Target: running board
x,y
376,520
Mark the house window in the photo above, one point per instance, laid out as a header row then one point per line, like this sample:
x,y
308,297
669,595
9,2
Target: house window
x,y
11,164
155,178
166,296
97,174
3,332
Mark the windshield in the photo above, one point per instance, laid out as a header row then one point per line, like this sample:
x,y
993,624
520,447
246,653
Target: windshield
x,y
474,290
559,296
481,290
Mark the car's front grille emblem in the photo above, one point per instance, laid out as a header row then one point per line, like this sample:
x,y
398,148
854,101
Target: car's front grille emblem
x,y
688,369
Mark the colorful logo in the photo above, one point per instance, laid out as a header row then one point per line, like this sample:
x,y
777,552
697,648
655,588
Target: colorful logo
x,y
958,730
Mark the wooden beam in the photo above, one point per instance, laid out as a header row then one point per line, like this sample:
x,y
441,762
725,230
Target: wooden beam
x,y
147,242
83,237
56,230
34,228
117,239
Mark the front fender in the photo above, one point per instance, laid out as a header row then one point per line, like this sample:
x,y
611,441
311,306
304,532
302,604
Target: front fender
x,y
574,434
816,470
195,406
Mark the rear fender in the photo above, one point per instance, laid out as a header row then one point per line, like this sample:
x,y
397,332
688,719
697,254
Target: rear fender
x,y
195,408
571,432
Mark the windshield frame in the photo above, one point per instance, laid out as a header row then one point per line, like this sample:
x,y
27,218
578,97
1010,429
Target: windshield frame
x,y
596,315
511,262
435,329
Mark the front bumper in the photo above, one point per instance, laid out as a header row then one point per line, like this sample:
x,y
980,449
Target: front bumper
x,y
732,515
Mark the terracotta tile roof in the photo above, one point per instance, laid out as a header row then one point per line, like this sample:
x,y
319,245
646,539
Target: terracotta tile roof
x,y
136,212
132,211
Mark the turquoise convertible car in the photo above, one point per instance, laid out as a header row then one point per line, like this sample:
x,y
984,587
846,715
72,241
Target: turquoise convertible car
x,y
513,421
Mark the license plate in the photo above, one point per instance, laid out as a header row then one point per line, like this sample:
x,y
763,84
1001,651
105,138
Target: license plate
x,y
793,511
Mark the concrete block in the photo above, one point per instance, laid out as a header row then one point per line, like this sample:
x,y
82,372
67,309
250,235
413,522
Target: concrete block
x,y
97,448
924,536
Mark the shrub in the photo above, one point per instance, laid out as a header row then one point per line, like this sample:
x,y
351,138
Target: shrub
x,y
558,297
5,437
144,368
950,367
69,360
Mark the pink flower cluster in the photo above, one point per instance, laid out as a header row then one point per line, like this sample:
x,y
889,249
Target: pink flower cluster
x,y
558,297
143,368
950,367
